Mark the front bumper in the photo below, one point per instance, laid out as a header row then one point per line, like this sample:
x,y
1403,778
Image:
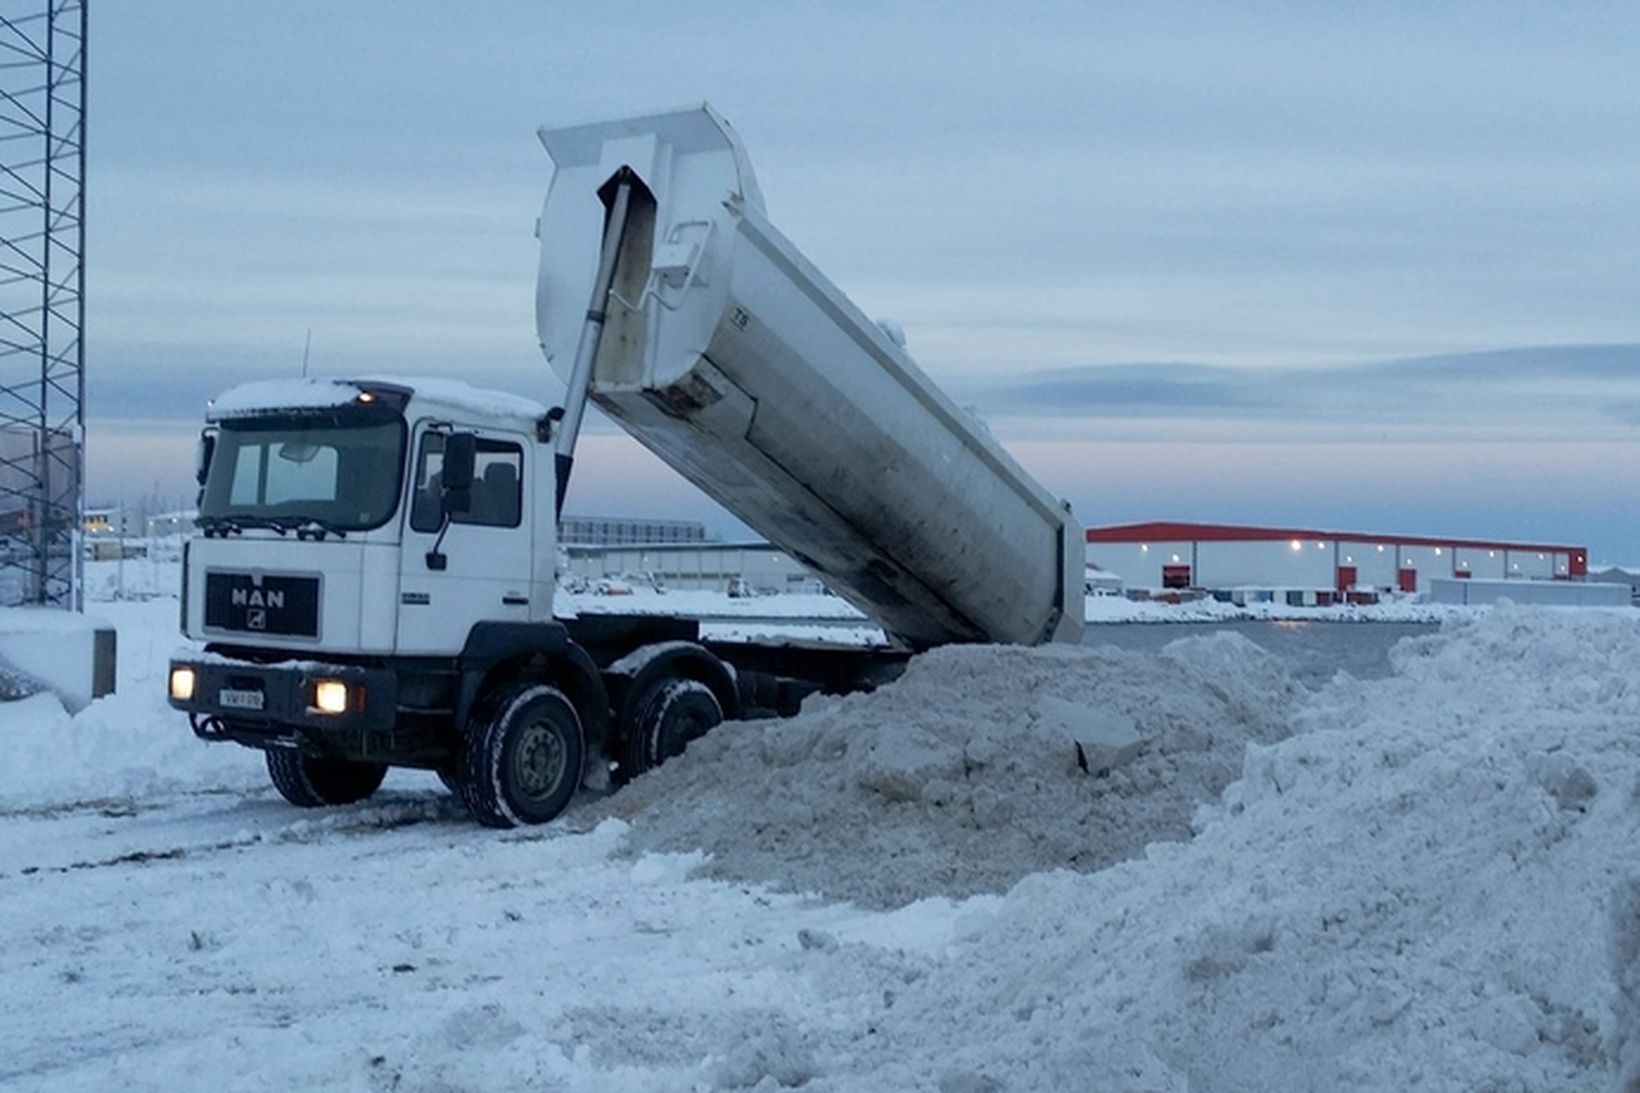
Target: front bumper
x,y
275,703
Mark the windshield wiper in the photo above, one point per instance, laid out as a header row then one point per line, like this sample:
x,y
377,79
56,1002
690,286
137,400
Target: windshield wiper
x,y
218,525
249,520
306,527
316,528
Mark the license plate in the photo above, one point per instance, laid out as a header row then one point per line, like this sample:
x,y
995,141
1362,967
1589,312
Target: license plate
x,y
233,699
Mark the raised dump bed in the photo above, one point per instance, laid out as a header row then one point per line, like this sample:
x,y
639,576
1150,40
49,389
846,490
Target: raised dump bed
x,y
737,362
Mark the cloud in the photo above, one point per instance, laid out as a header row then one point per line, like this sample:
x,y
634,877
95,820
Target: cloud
x,y
1264,198
1136,388
1521,390
1626,412
1599,362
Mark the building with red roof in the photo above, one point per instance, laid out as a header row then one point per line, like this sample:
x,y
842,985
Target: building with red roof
x,y
1163,554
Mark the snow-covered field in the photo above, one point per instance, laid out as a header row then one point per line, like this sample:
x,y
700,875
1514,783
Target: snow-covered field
x,y
1430,881
785,610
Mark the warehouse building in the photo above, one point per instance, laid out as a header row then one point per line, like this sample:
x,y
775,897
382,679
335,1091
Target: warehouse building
x,y
627,530
1166,555
1613,574
740,568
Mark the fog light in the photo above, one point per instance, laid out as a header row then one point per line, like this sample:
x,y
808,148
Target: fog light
x,y
182,684
330,696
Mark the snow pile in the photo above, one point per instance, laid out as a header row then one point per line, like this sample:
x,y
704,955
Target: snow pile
x,y
157,574
700,603
122,747
1625,954
129,744
16,683
1395,607
966,775
1429,885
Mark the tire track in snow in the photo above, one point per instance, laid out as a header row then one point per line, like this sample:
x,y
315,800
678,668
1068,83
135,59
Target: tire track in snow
x,y
42,1058
165,842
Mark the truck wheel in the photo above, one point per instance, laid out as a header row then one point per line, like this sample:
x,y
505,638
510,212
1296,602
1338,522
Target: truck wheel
x,y
522,758
309,782
671,714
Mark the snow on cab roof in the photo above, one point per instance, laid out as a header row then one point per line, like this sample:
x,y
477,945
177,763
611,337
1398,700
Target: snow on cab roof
x,y
320,393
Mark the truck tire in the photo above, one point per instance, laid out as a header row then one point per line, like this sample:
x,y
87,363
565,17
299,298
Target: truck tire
x,y
309,782
521,761
671,713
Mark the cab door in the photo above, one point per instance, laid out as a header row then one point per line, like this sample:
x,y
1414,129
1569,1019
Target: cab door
x,y
460,568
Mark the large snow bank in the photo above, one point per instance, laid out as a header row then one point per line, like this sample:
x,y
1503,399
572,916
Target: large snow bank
x,y
1394,608
1625,954
1430,885
964,775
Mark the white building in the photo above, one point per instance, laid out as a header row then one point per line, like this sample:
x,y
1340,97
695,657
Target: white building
x,y
628,530
1624,575
717,567
110,520
162,524
1221,556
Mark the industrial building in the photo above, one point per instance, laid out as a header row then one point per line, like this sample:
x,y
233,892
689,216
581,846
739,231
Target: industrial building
x,y
746,567
625,530
1162,555
1630,578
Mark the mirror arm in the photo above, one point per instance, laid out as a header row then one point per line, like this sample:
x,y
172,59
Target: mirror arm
x,y
436,559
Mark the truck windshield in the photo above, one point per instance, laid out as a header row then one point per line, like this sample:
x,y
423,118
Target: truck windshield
x,y
291,471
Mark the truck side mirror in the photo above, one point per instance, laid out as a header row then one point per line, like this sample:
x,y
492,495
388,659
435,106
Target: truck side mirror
x,y
455,488
460,456
202,458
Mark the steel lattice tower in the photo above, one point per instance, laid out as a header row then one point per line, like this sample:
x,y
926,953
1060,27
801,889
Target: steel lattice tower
x,y
42,299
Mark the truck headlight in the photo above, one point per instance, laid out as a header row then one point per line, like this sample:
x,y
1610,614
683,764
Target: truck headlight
x,y
330,696
182,684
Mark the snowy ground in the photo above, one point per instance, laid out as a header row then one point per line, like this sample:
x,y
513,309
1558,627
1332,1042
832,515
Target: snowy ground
x,y
1102,608
1427,882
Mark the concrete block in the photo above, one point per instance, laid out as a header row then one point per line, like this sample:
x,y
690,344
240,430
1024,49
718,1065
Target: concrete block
x,y
70,654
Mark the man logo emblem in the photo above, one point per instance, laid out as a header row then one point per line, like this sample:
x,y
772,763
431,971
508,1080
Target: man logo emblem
x,y
256,619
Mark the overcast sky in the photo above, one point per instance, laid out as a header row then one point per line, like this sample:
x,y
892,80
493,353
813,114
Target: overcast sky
x,y
1189,262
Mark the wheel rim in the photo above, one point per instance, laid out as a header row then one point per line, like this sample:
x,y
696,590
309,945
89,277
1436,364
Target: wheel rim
x,y
538,760
684,727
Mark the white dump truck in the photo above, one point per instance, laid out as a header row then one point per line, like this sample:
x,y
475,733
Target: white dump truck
x,y
374,571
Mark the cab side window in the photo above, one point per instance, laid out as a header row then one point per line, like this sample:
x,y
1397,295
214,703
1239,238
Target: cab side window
x,y
498,485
